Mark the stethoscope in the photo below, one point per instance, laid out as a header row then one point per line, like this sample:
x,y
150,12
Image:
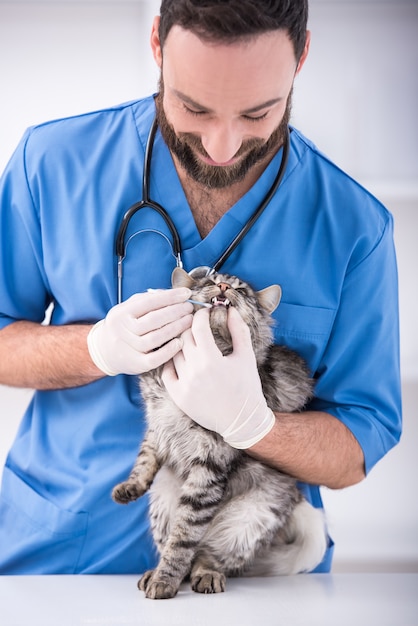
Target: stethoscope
x,y
121,244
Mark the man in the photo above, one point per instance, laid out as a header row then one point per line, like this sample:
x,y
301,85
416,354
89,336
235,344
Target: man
x,y
227,71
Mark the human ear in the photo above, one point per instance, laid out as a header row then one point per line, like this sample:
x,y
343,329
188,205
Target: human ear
x,y
155,42
305,51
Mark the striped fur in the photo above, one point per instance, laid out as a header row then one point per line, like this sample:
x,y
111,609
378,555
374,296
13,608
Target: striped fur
x,y
215,511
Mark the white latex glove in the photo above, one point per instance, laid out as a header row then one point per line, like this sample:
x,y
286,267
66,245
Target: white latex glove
x,y
140,333
221,393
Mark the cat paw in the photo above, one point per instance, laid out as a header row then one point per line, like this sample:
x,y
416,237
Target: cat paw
x,y
211,582
156,589
127,492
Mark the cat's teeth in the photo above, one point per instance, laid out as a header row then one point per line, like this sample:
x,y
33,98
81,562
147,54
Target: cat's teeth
x,y
223,301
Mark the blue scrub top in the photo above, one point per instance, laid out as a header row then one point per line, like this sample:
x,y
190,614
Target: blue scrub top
x,y
323,238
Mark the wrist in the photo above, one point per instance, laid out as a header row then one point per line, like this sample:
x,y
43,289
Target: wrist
x,y
96,356
254,428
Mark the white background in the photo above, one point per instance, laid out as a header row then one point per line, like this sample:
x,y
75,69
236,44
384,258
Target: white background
x,y
357,98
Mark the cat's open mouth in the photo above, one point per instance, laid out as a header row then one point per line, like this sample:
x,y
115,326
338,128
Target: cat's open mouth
x,y
220,301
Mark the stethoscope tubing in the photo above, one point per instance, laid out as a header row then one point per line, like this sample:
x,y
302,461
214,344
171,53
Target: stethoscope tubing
x,y
279,177
146,201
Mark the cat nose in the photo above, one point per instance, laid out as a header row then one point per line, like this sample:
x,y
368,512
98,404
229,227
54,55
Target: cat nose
x,y
223,287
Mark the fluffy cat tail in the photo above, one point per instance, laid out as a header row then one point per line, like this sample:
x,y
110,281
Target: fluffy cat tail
x,y
301,550
307,527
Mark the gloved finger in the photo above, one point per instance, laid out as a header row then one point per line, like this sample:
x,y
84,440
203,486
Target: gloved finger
x,y
157,338
202,334
181,378
142,303
162,355
240,334
185,356
188,338
169,373
159,318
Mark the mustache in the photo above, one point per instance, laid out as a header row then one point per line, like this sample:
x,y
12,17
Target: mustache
x,y
194,142
188,148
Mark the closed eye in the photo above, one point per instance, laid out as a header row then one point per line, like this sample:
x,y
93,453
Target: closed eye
x,y
258,118
196,113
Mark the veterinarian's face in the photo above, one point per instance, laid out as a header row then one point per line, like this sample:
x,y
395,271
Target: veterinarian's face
x,y
223,108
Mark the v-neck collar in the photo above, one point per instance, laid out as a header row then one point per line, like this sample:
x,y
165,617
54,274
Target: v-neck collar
x,y
167,190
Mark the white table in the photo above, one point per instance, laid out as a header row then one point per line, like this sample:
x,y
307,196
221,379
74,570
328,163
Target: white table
x,y
304,600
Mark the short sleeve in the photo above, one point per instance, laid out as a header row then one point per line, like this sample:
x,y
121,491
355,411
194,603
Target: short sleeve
x,y
358,379
23,285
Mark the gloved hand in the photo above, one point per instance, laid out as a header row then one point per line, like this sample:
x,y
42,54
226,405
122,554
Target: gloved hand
x,y
221,393
140,333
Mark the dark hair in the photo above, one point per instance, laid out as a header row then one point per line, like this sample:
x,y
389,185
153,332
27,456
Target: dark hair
x,y
231,20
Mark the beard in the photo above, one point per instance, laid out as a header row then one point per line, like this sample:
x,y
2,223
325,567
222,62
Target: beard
x,y
186,147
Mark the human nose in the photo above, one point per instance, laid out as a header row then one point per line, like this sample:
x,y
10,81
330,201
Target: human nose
x,y
222,143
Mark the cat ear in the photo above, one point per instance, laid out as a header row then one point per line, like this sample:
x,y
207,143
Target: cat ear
x,y
269,297
180,278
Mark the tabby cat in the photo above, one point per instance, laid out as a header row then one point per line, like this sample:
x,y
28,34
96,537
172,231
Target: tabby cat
x,y
214,510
